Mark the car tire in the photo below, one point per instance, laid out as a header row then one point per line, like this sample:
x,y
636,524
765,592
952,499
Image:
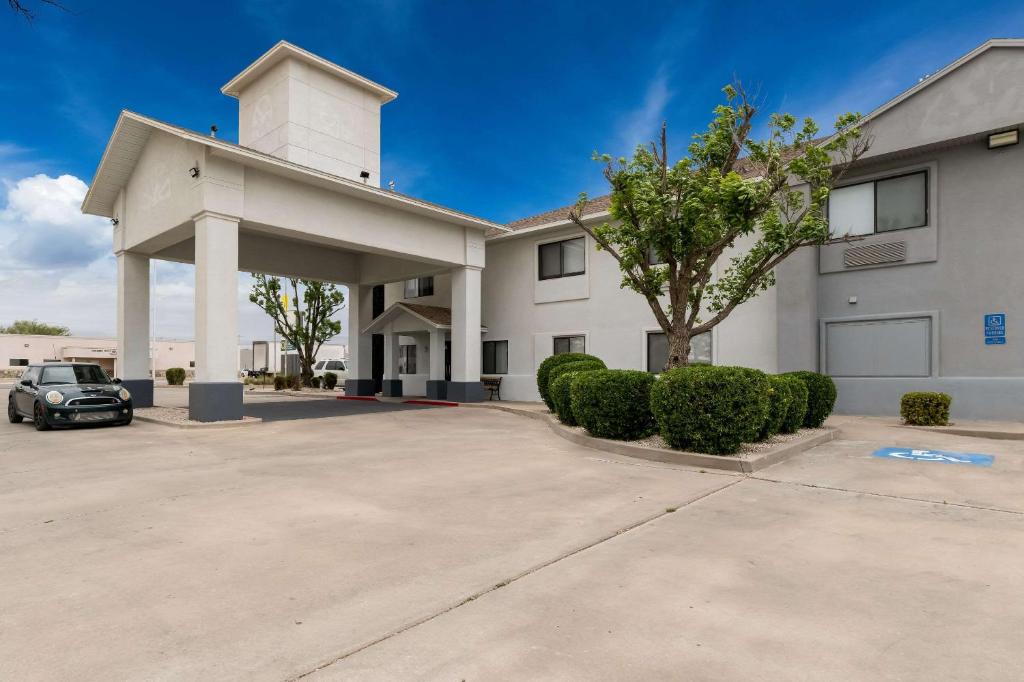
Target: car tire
x,y
126,421
39,418
12,413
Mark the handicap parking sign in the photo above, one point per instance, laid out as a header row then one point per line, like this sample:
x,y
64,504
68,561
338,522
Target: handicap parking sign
x,y
923,455
995,329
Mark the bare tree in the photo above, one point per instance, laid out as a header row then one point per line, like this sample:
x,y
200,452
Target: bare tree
x,y
21,7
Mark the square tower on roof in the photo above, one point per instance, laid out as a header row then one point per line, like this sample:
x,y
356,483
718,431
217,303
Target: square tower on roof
x,y
302,108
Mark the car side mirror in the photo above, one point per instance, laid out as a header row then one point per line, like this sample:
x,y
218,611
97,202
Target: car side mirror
x,y
26,382
116,380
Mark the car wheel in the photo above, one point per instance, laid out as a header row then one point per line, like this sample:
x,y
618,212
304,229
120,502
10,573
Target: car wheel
x,y
127,420
40,418
12,413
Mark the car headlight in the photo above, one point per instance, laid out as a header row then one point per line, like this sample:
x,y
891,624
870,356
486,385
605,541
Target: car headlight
x,y
54,397
124,394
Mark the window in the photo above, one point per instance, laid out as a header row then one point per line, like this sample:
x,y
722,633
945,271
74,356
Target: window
x,y
562,259
32,374
338,365
652,256
74,374
895,203
421,286
320,365
570,344
407,359
495,357
657,350
18,362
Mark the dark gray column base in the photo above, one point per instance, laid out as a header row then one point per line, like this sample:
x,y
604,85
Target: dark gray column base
x,y
215,401
437,389
141,390
392,388
359,387
465,391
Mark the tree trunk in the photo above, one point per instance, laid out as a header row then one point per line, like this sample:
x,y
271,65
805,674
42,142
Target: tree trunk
x,y
678,348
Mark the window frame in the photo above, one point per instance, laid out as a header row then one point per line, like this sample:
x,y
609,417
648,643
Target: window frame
x,y
874,200
569,338
404,354
561,259
420,289
483,358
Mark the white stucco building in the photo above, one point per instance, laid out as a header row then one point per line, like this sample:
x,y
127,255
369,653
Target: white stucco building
x,y
438,297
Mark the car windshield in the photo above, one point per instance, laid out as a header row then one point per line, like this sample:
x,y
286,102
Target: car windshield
x,y
74,374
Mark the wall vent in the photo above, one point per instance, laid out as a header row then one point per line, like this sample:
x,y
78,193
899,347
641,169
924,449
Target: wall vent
x,y
874,254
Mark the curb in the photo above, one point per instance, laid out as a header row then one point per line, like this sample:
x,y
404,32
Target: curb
x,y
250,421
972,433
745,465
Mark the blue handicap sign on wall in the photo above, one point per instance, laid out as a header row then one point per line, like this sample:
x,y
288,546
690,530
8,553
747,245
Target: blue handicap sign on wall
x,y
995,329
995,341
921,455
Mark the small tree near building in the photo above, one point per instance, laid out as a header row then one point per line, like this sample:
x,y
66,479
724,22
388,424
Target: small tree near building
x,y
35,327
307,322
672,223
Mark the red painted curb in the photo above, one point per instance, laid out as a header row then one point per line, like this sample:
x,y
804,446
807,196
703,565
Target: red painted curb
x,y
356,397
442,403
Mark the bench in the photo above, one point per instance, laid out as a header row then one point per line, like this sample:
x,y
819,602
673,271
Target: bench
x,y
493,386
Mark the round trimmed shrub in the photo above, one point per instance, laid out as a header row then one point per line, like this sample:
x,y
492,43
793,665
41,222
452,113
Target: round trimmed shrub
x,y
779,398
613,403
315,382
175,376
578,366
709,408
797,405
330,380
550,363
821,397
925,408
561,396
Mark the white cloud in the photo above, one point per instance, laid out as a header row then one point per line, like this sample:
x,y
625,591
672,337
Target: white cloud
x,y
642,124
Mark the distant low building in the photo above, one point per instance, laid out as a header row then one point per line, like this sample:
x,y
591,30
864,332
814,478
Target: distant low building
x,y
20,350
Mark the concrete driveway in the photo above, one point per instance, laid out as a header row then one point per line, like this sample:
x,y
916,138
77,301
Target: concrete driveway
x,y
458,543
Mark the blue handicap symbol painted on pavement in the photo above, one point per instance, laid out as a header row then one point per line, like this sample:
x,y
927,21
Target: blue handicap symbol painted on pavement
x,y
919,455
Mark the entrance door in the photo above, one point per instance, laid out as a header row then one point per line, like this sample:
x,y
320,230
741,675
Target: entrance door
x,y
447,360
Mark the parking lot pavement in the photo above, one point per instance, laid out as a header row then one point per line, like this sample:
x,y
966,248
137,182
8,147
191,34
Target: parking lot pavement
x,y
472,544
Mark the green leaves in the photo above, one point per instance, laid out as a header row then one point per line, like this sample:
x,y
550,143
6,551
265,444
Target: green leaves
x,y
671,224
307,321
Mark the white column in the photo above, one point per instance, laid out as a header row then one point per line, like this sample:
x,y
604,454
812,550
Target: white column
x,y
360,346
465,384
133,315
216,260
437,355
133,326
392,350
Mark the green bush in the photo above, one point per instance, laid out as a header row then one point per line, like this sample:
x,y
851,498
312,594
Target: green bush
x,y
559,390
280,381
779,397
709,408
613,403
550,363
175,376
925,408
821,397
330,380
797,405
290,381
315,382
578,366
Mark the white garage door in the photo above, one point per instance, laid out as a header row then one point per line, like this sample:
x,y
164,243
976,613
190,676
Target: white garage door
x,y
879,348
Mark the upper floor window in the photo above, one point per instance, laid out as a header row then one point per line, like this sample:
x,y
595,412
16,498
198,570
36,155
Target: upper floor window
x,y
18,362
657,351
421,286
495,357
652,256
570,344
894,203
562,259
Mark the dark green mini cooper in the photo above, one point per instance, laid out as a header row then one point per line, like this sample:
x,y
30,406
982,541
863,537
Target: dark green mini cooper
x,y
68,394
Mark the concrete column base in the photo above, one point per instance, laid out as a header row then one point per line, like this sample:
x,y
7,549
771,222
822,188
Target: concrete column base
x,y
392,388
214,401
437,389
359,387
465,391
141,390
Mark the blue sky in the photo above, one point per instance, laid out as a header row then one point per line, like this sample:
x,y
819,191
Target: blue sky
x,y
500,104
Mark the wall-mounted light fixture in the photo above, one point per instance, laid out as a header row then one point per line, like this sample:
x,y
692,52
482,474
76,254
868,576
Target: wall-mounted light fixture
x,y
194,171
114,221
1006,138
365,175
